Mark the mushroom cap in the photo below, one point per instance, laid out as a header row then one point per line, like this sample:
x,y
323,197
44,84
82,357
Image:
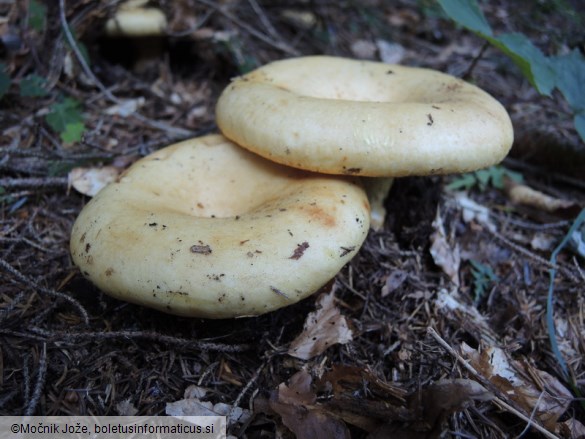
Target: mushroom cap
x,y
205,228
136,22
341,116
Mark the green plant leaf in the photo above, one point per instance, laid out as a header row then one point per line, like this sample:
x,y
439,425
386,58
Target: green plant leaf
x,y
570,78
36,15
4,79
530,60
466,181
467,13
33,86
492,176
73,132
63,113
483,277
580,125
484,177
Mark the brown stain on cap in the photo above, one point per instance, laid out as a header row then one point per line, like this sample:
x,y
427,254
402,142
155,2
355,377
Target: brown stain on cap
x,y
316,213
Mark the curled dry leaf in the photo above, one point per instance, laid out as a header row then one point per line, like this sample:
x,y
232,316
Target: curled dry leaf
x,y
125,108
126,408
295,403
542,241
323,328
444,255
394,281
390,53
196,407
522,194
530,388
571,428
441,399
451,304
89,181
472,211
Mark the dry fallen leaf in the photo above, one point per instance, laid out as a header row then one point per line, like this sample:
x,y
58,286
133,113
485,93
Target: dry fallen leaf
x,y
454,306
295,405
125,108
390,53
363,49
522,194
571,428
394,281
532,389
323,328
196,407
444,255
472,211
89,181
126,408
445,397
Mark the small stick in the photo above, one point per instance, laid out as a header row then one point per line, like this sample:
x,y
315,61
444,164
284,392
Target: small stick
x,y
28,281
278,45
40,383
431,331
33,182
147,335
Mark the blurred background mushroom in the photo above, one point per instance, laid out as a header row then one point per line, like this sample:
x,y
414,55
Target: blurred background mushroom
x,y
140,29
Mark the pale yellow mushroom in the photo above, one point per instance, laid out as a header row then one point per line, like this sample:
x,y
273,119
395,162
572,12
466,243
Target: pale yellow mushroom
x,y
341,116
205,228
132,19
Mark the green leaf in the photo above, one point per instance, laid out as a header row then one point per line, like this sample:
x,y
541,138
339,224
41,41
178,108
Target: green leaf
x,y
33,86
580,125
532,63
467,13
466,181
36,15
570,78
483,276
484,176
494,176
63,113
4,79
73,132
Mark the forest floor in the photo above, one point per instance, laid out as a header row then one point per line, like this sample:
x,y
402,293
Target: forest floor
x,y
446,304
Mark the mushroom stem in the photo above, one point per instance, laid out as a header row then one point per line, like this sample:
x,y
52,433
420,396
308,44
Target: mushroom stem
x,y
377,190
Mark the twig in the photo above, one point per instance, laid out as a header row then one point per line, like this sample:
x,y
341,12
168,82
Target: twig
x,y
518,164
79,55
278,45
264,19
33,182
40,383
549,300
146,335
475,60
247,387
191,29
534,257
29,282
431,331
